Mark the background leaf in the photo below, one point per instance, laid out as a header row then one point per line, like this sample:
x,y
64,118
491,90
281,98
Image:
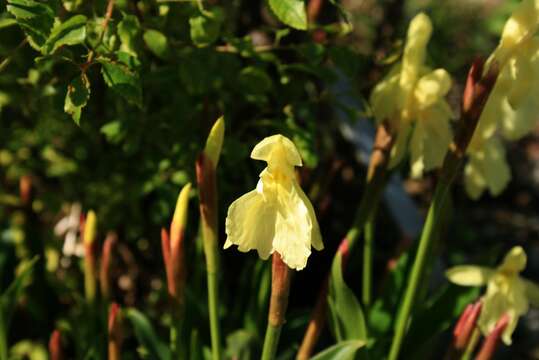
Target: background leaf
x,y
147,336
122,80
290,12
78,93
35,18
70,32
346,314
345,350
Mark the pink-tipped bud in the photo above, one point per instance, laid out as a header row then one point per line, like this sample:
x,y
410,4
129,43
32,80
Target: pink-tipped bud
x,y
55,346
344,251
104,271
465,325
115,332
493,339
165,248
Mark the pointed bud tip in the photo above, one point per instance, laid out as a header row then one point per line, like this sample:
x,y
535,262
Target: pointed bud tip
x,y
90,228
214,143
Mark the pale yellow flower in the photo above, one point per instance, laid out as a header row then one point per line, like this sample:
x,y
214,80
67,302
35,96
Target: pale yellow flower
x,y
513,104
507,292
411,99
487,168
277,215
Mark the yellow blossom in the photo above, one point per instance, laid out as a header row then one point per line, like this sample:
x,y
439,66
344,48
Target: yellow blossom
x,y
507,292
512,106
411,99
277,215
487,168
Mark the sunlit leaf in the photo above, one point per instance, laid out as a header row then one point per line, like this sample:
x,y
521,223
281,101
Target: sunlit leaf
x,y
35,18
345,350
122,80
157,43
290,12
70,32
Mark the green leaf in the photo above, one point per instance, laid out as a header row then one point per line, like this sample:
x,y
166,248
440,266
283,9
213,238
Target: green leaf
x,y
147,336
348,321
205,28
122,80
344,350
70,32
157,43
35,18
128,30
78,93
9,298
254,80
290,12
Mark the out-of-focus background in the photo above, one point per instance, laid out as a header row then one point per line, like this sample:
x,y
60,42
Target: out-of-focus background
x,y
135,147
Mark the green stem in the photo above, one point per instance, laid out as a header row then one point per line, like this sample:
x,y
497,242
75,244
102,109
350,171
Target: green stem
x,y
271,341
367,260
178,351
3,336
214,318
429,232
472,344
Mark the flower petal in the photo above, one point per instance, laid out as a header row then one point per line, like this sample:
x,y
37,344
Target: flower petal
x,y
250,224
316,237
514,261
293,229
419,33
263,150
432,87
469,275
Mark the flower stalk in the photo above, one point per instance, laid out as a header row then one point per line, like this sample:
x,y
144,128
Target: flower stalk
x,y
281,276
377,174
493,339
90,280
206,166
104,269
115,332
476,92
174,258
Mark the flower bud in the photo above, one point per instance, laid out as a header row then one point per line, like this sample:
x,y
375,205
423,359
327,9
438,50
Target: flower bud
x,y
104,273
55,346
115,332
214,143
493,339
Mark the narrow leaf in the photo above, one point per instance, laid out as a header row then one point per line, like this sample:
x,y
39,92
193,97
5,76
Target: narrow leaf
x,y
146,335
346,312
11,296
290,12
345,350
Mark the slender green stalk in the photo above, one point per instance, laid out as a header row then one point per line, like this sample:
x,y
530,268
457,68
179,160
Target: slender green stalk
x,y
367,261
176,331
3,336
214,317
429,231
476,92
271,341
206,167
471,345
